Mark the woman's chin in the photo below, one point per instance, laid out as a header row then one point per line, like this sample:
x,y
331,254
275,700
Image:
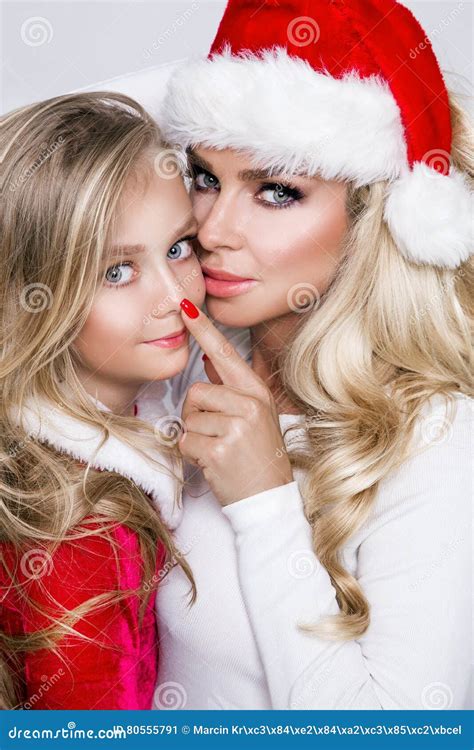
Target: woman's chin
x,y
236,312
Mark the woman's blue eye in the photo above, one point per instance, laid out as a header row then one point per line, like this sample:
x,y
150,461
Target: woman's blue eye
x,y
119,275
181,250
204,180
280,195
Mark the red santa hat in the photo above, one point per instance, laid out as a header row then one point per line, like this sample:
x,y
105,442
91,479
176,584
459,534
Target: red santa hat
x,y
345,90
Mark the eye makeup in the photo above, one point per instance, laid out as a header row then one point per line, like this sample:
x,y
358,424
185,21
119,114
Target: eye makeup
x,y
279,189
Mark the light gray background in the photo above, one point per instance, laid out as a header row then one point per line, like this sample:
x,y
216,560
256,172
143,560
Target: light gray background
x,y
51,48
81,43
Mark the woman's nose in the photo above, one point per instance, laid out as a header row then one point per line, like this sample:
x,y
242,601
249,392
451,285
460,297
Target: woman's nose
x,y
221,227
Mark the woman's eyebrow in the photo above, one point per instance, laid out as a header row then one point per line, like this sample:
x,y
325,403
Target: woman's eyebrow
x,y
199,161
245,175
250,175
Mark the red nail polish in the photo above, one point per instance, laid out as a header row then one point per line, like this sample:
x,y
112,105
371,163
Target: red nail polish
x,y
204,357
190,309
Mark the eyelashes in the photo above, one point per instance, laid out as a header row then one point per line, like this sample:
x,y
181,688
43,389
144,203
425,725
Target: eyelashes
x,y
184,245
110,284
282,189
290,193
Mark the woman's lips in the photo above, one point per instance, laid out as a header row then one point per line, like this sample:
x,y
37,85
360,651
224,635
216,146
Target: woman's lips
x,y
225,284
170,342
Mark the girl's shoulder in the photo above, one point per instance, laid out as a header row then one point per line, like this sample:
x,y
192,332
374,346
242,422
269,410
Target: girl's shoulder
x,y
72,571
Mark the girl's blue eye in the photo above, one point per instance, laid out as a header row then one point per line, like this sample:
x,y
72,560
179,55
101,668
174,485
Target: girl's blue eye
x,y
280,195
204,180
119,275
181,250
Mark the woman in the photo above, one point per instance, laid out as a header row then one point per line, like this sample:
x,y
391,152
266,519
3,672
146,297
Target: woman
x,y
327,178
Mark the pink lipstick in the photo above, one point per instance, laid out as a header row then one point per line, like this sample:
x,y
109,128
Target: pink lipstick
x,y
170,342
225,284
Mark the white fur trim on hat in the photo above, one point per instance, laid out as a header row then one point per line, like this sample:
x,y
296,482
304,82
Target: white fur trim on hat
x,y
430,216
288,116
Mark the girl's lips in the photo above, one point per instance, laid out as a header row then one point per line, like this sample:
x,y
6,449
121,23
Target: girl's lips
x,y
170,342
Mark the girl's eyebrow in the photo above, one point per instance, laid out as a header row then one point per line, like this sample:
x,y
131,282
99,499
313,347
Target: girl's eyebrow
x,y
189,227
125,250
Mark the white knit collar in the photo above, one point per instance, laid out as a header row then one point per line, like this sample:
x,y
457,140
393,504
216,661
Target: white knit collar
x,y
46,422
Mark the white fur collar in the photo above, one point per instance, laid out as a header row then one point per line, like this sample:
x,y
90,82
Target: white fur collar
x,y
47,423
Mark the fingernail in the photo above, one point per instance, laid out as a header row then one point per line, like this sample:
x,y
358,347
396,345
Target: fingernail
x,y
204,357
190,309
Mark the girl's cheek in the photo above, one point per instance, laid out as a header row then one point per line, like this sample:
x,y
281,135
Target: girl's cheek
x,y
191,282
115,314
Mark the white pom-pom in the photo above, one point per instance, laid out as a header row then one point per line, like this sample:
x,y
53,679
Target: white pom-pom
x,y
430,216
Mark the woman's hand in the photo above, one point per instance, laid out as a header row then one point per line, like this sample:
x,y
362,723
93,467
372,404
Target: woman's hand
x,y
232,429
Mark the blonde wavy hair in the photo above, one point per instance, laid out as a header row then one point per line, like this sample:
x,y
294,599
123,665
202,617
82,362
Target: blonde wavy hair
x,y
386,336
65,163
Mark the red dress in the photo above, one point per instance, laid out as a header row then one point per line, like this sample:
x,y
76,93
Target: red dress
x,y
84,674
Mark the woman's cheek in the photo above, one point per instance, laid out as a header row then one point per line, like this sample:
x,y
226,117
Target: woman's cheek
x,y
295,267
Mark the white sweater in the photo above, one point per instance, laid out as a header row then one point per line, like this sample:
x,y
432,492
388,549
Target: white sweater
x,y
257,576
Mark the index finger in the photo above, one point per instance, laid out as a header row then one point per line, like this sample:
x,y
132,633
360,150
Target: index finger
x,y
232,369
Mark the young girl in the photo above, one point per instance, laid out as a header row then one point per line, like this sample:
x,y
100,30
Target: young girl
x,y
332,186
96,231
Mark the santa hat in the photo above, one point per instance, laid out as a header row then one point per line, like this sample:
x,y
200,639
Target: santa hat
x,y
346,90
